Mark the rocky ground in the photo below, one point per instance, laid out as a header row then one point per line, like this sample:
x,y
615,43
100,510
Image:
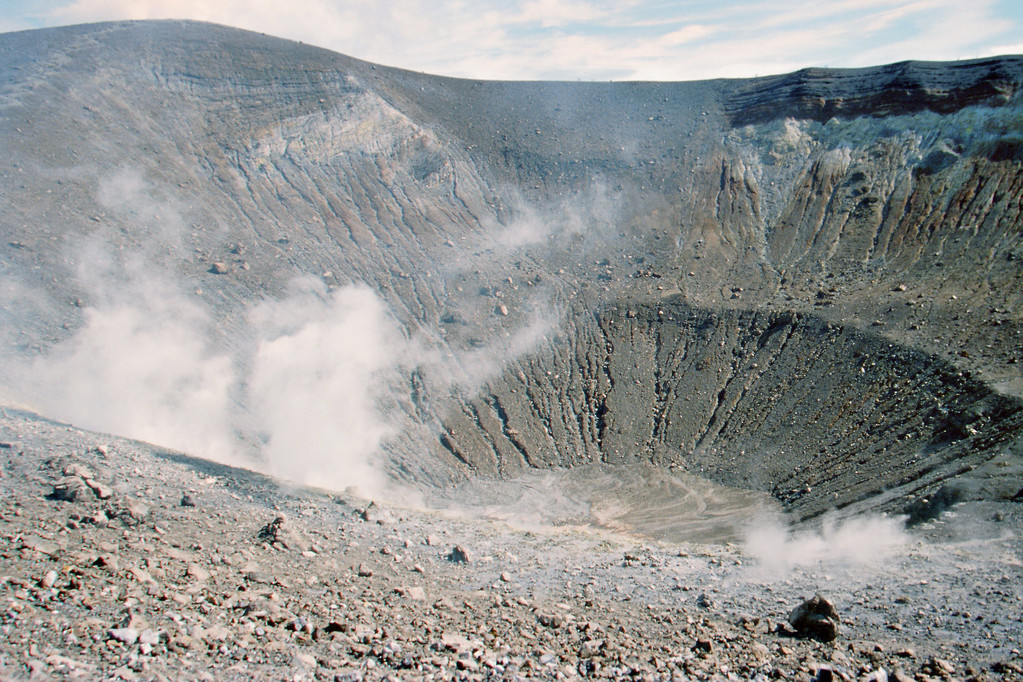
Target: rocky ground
x,y
158,566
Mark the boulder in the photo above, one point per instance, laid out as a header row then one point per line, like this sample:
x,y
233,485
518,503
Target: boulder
x,y
374,513
71,489
459,555
281,532
815,618
124,635
100,490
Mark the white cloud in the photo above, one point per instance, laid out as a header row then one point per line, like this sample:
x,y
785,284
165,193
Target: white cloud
x,y
599,39
9,25
1008,48
556,12
685,35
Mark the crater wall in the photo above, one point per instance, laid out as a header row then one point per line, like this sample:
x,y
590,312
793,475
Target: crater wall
x,y
808,285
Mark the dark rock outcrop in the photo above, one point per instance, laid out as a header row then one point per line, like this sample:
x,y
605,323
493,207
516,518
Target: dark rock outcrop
x,y
898,89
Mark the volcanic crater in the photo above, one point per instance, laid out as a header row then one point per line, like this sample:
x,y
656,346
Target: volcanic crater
x,y
806,286
583,344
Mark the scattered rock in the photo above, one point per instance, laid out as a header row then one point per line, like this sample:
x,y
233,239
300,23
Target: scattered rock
x,y
928,508
219,268
454,641
149,636
1007,667
107,561
550,619
815,618
305,660
132,512
590,648
100,490
99,519
374,513
415,593
459,555
78,469
259,577
124,635
939,667
197,572
879,675
69,666
38,544
187,500
280,532
141,575
71,489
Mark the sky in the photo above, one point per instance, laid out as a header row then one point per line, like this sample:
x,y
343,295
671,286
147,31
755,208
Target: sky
x,y
590,39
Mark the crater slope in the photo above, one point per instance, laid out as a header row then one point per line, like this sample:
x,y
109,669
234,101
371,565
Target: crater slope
x,y
805,285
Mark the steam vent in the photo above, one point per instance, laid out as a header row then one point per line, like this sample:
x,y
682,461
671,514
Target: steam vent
x,y
806,286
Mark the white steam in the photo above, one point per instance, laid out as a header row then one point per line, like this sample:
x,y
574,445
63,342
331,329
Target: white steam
x,y
320,366
141,375
859,541
307,392
307,386
468,370
594,211
158,219
139,366
307,381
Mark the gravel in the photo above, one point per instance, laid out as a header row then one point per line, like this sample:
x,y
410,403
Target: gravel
x,y
190,592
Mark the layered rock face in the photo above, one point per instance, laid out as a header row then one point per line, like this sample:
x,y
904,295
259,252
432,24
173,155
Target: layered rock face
x,y
808,285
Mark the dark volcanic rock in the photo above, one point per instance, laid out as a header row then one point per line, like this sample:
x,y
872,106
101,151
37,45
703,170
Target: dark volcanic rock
x,y
903,88
281,531
71,489
815,618
459,555
930,507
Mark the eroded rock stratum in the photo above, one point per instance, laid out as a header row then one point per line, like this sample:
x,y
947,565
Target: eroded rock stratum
x,y
806,285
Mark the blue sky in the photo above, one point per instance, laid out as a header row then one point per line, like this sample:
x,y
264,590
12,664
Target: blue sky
x,y
591,39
